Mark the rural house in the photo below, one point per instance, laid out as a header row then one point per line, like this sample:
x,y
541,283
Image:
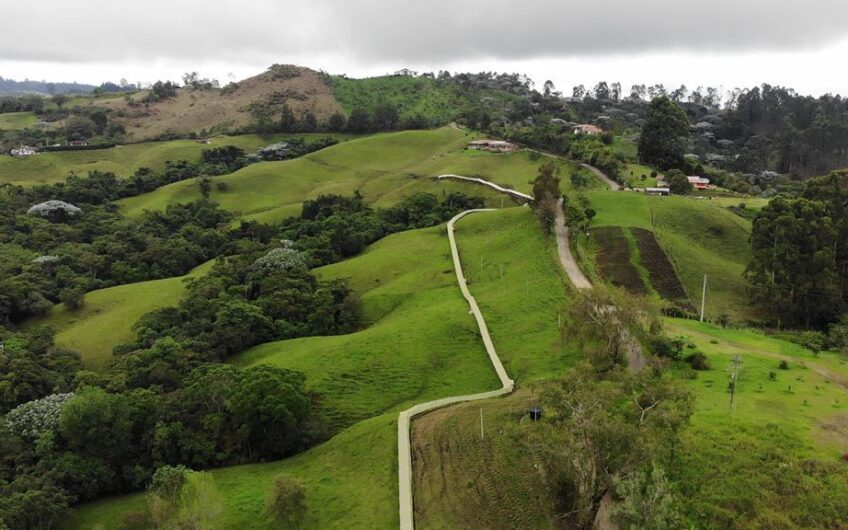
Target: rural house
x,y
23,151
587,128
700,183
495,146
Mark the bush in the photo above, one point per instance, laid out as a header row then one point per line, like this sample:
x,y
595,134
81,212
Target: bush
x,y
698,361
784,365
72,298
284,502
666,347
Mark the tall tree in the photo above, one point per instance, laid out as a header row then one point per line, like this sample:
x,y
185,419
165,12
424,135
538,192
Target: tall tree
x,y
664,135
545,195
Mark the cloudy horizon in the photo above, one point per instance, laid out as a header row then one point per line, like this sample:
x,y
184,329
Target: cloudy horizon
x,y
723,43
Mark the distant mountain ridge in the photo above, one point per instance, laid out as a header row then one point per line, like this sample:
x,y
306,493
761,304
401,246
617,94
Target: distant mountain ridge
x,y
28,86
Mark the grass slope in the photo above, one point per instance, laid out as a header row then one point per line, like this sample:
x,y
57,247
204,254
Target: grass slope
x,y
462,481
699,238
421,344
385,168
107,317
12,121
124,160
728,473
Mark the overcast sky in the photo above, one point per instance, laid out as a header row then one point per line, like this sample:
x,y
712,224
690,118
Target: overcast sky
x,y
797,43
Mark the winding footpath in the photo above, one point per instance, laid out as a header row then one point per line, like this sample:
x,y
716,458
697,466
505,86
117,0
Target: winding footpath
x,y
407,520
569,264
512,193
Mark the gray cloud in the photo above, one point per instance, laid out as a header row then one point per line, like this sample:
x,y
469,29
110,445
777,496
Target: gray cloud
x,y
435,31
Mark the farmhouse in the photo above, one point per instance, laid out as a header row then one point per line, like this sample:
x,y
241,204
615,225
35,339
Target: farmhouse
x,y
406,72
23,151
657,191
495,146
700,183
587,128
77,143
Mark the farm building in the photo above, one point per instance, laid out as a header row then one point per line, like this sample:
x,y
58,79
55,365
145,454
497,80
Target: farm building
x,y
700,183
23,151
587,128
77,143
495,146
406,72
657,191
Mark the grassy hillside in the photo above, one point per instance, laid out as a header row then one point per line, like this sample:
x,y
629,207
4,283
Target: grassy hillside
x,y
750,468
421,344
699,238
107,317
12,121
385,168
350,482
124,160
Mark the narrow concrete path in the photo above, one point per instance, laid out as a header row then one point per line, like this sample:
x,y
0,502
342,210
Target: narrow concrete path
x,y
407,518
569,264
512,193
614,186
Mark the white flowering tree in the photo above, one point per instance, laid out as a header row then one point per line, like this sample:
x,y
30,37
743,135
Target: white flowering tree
x,y
34,418
284,258
54,207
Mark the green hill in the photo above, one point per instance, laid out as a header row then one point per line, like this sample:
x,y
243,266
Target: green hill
x,y
385,168
12,121
123,160
421,344
107,317
699,238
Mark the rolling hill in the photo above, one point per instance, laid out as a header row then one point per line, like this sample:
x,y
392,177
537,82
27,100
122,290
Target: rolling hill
x,y
107,317
384,168
699,238
124,160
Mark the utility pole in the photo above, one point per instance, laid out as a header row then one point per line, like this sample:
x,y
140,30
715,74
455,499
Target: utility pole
x,y
481,423
704,298
734,377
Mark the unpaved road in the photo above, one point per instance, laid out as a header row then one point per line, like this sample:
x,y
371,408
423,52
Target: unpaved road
x,y
614,186
407,520
569,264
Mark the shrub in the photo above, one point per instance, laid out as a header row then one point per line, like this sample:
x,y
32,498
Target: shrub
x,y
666,347
784,365
698,361
284,502
72,298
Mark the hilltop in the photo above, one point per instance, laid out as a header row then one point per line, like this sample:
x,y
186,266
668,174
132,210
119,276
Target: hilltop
x,y
231,108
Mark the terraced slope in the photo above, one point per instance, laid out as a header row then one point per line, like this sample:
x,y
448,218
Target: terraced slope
x,y
699,238
107,317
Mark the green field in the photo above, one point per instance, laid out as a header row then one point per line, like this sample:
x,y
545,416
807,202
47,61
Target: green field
x,y
124,160
107,317
385,168
699,237
751,468
421,344
13,121
635,180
